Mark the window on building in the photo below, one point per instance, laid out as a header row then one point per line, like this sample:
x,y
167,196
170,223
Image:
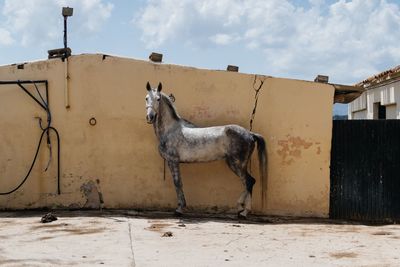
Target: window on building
x,y
391,112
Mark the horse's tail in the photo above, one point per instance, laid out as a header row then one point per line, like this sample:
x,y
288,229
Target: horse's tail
x,y
262,163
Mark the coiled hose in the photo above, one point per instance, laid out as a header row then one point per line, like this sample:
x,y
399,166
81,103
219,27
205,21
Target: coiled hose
x,y
44,130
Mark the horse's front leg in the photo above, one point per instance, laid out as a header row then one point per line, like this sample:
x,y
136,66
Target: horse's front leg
x,y
176,176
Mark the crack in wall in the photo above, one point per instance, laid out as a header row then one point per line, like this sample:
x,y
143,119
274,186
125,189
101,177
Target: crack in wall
x,y
257,91
256,95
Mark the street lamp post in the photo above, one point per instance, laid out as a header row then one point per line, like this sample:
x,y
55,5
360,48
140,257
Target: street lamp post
x,y
66,12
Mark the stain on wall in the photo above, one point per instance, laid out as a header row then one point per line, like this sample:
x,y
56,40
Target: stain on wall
x,y
94,198
291,148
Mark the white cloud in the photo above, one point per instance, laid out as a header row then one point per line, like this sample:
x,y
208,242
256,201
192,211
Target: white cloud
x,y
224,39
5,37
165,25
93,13
39,22
349,40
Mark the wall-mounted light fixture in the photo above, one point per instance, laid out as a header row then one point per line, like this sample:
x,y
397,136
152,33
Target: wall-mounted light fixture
x,y
66,12
66,51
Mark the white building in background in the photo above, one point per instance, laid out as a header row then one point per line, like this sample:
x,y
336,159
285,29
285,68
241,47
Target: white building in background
x,y
381,100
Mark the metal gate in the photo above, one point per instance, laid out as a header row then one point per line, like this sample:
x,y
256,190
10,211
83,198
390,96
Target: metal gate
x,y
365,170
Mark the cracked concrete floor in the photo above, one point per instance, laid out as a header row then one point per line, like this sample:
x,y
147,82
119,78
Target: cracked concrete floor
x,y
119,238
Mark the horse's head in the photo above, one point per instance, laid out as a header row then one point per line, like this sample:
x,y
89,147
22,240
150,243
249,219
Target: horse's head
x,y
153,98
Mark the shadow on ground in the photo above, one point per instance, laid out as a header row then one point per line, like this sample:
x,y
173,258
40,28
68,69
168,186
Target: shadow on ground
x,y
190,217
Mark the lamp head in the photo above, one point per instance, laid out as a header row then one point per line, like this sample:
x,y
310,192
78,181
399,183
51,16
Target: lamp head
x,y
67,11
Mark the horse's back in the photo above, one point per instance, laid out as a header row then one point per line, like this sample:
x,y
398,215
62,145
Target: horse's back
x,y
202,144
213,143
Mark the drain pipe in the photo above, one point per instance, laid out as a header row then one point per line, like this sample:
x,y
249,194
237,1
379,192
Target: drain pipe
x,y
66,88
66,12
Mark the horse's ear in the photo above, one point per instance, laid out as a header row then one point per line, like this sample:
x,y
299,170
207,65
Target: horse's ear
x,y
148,87
159,87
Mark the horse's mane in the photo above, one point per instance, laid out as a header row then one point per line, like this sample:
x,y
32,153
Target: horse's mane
x,y
167,100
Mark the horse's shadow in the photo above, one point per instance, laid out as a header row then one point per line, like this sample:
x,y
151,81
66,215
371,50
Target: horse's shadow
x,y
201,217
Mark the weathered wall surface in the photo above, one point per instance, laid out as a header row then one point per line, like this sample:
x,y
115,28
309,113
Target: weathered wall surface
x,y
117,162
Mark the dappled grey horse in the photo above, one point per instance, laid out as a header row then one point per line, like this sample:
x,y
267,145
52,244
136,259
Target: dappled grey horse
x,y
181,141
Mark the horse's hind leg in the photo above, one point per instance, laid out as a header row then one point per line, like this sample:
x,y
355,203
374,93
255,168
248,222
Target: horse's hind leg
x,y
241,201
249,181
174,167
240,171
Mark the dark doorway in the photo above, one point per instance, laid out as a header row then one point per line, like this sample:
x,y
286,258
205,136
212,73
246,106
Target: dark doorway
x,y
379,111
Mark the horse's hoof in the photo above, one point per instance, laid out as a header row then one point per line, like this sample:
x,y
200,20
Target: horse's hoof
x,y
241,216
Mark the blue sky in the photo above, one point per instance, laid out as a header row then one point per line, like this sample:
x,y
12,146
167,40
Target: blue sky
x,y
347,40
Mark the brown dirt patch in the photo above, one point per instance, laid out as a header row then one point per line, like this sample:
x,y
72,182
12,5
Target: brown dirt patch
x,y
48,226
45,238
79,231
2,221
66,228
158,227
382,233
340,255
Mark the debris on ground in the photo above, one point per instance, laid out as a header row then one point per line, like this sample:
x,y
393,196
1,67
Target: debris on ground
x,y
182,225
167,234
49,217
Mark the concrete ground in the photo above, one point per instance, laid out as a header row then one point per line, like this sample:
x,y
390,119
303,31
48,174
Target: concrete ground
x,y
120,238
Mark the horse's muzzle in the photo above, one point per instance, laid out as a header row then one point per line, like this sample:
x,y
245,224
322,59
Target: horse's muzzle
x,y
150,119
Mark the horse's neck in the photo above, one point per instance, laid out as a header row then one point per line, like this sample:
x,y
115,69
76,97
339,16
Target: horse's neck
x,y
167,119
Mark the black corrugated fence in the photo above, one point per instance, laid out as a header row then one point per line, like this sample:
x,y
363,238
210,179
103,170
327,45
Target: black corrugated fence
x,y
365,170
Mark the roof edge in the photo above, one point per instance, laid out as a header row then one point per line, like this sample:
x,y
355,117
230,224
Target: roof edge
x,y
381,78
345,94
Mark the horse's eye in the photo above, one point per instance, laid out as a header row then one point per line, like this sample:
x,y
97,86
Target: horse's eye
x,y
158,99
147,98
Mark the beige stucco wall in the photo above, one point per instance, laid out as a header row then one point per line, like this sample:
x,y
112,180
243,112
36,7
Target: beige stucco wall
x,y
118,156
